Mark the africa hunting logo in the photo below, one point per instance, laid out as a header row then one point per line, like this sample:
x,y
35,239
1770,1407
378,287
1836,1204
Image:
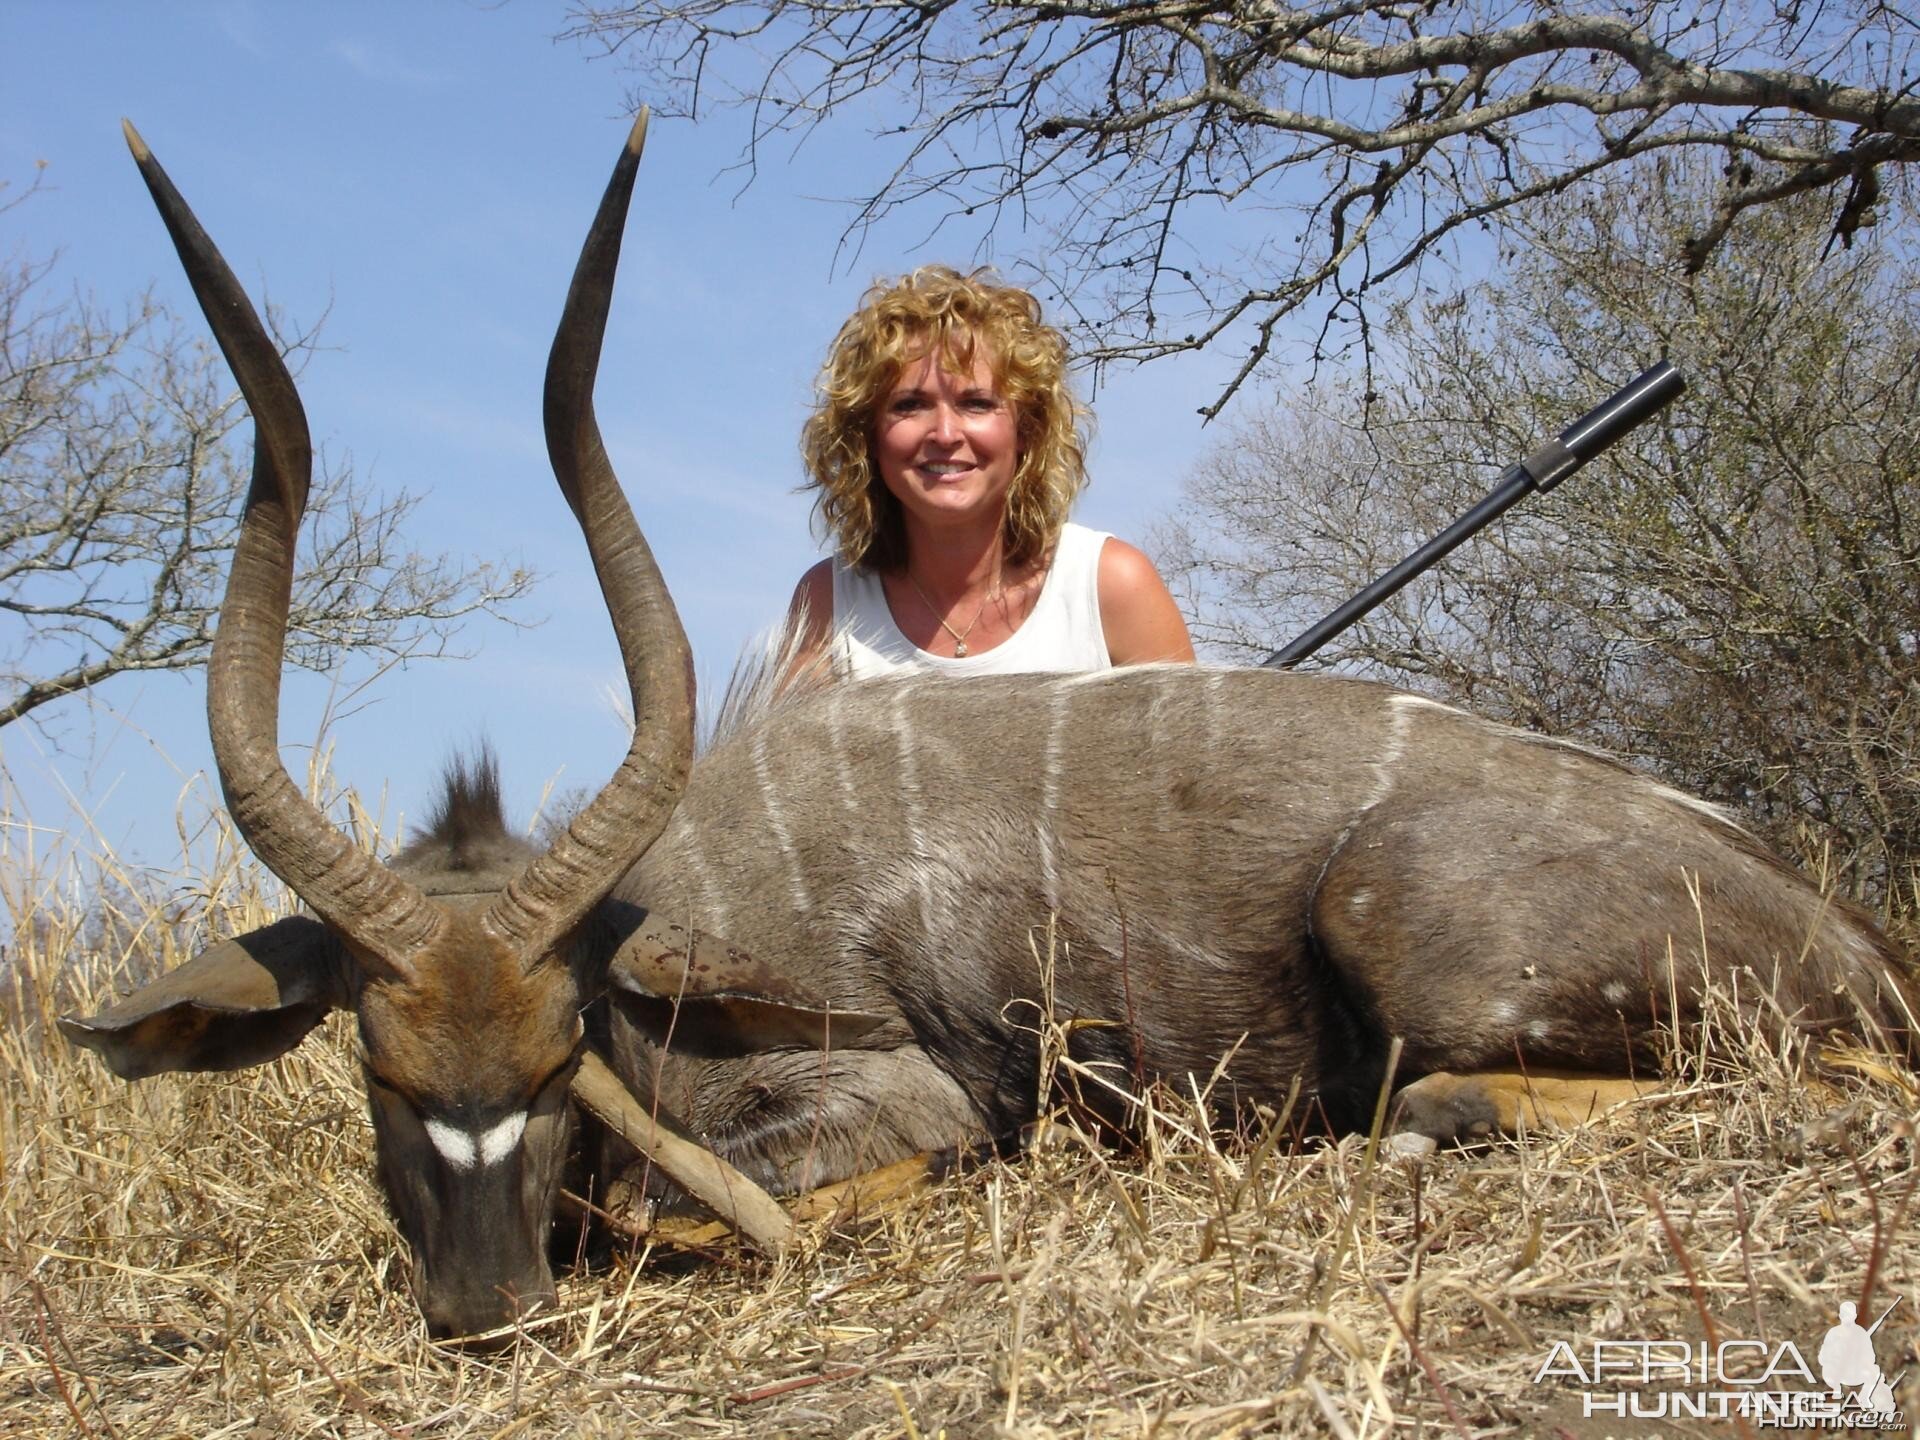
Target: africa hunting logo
x,y
1770,1384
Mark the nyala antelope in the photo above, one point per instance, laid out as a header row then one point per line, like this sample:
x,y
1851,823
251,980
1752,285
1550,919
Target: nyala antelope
x,y
1291,871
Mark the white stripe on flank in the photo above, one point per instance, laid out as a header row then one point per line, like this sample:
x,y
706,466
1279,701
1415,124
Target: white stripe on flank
x,y
777,823
1396,740
911,802
1159,817
837,746
1215,690
709,900
1216,687
489,1147
1697,805
1399,726
1425,702
1705,808
1050,794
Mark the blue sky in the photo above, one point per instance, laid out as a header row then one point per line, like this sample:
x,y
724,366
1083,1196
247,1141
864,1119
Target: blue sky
x,y
424,173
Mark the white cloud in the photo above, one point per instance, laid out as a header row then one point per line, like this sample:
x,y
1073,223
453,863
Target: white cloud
x,y
370,62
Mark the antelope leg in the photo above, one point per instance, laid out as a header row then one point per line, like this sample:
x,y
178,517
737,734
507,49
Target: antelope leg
x,y
865,1193
1448,1108
872,1189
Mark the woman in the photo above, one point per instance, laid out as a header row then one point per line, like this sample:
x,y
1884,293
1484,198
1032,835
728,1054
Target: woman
x,y
947,451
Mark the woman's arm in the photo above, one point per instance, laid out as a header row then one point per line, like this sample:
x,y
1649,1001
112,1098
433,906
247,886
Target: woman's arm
x,y
1137,613
809,625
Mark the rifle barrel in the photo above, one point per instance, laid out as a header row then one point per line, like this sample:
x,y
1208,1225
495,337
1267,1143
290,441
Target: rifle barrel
x,y
1546,467
1883,1315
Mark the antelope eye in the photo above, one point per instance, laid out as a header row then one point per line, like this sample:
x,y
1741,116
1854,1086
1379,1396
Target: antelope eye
x,y
562,1076
379,1087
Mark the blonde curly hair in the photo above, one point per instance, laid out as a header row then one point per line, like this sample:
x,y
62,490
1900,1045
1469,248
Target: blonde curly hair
x,y
937,308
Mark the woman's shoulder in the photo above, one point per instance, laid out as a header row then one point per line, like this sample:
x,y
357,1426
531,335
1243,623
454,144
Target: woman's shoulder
x,y
810,615
1124,565
813,597
1138,615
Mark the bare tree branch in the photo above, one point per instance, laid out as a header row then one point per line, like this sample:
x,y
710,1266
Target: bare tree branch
x,y
1730,595
1348,141
121,483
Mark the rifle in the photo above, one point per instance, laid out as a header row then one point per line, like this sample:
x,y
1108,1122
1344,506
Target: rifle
x,y
1553,462
1883,1315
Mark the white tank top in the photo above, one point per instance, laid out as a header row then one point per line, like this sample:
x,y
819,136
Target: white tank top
x,y
1062,633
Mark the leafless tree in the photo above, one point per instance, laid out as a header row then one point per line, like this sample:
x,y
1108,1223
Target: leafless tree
x,y
1209,168
120,495
1733,595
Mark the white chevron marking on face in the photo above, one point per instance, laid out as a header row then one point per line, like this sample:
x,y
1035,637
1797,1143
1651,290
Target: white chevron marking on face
x,y
455,1146
489,1147
497,1143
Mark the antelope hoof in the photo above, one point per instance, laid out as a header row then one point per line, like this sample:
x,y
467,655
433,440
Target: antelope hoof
x,y
1444,1110
627,1203
1409,1145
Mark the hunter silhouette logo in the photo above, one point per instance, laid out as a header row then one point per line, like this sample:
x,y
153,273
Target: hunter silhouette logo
x,y
1848,1365
1766,1382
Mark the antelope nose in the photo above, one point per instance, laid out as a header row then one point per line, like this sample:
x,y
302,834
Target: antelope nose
x,y
481,1322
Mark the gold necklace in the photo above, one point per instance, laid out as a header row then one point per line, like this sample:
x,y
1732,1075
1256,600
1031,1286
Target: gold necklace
x,y
959,636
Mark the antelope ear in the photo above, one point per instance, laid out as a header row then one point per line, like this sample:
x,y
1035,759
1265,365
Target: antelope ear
x,y
710,999
246,1001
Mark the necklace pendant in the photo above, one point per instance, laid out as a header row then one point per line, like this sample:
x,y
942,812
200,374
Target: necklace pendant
x,y
960,650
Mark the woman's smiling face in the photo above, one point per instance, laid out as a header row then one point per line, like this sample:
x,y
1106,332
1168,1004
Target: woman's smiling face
x,y
947,443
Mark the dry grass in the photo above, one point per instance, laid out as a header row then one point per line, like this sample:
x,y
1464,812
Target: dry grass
x,y
208,1256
